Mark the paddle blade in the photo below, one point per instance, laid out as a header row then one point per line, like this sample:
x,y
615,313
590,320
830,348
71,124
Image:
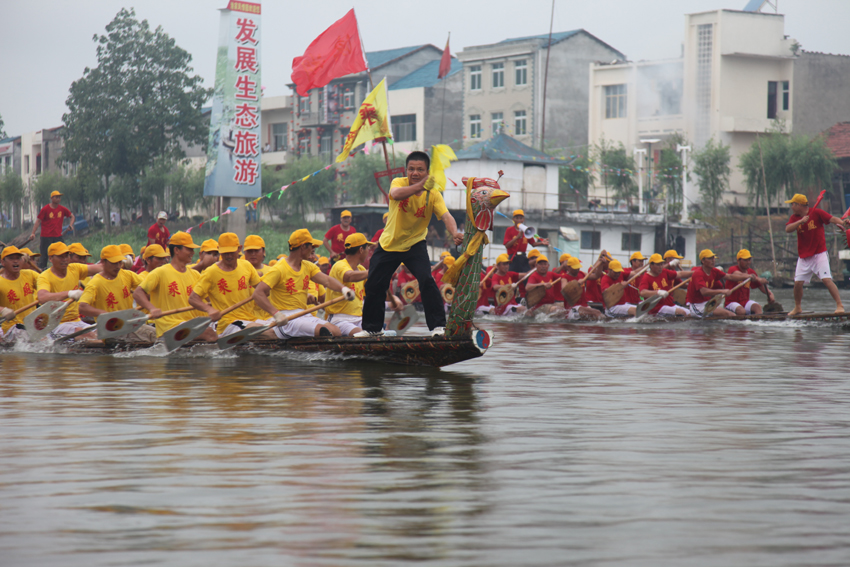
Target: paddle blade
x,y
535,296
232,340
571,291
410,291
680,296
185,332
119,323
505,294
448,292
647,305
403,320
711,305
44,319
613,295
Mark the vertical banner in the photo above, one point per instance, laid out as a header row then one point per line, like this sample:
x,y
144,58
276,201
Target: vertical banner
x,y
233,152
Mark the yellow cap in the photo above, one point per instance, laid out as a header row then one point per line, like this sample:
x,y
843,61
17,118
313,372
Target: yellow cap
x,y
154,250
672,254
542,258
656,259
444,253
323,260
55,249
345,214
706,254
209,246
449,260
32,254
574,262
385,216
615,265
56,194
564,257
9,250
518,212
78,249
356,239
502,258
272,263
636,256
183,239
127,249
302,236
743,255
142,251
281,256
799,199
253,242
228,242
533,254
112,254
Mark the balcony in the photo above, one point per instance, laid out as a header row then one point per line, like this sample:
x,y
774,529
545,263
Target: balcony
x,y
660,125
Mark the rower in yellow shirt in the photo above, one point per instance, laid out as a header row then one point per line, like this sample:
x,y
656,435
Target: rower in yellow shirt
x,y
208,255
61,281
350,271
226,283
154,256
285,286
254,249
17,289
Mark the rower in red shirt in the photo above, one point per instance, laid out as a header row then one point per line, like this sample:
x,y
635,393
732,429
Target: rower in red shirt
x,y
636,261
551,302
706,282
811,248
617,273
739,301
335,237
580,310
658,280
502,277
516,243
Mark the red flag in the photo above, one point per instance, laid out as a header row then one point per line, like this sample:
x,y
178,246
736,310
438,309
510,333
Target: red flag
x,y
445,62
336,52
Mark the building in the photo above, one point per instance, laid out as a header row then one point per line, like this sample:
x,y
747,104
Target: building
x,y
10,155
838,140
504,83
276,118
39,154
738,75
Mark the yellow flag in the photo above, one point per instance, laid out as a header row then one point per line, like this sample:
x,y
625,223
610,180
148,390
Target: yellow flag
x,y
441,158
372,121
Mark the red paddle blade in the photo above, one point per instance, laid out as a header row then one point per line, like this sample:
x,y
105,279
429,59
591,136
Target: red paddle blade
x,y
845,215
822,193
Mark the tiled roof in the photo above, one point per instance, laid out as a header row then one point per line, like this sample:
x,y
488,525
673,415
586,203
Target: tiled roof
x,y
378,58
838,139
556,37
425,76
503,147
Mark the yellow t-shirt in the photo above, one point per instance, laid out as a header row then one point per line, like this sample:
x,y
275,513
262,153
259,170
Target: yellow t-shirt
x,y
50,282
14,294
289,288
226,288
346,307
111,295
408,220
170,289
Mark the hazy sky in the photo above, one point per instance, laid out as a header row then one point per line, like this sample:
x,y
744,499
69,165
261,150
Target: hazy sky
x,y
48,43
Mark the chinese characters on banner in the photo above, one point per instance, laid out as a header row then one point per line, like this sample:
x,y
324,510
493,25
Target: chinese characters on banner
x,y
233,154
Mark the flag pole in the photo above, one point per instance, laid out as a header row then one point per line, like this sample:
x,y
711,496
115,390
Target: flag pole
x,y
443,110
372,87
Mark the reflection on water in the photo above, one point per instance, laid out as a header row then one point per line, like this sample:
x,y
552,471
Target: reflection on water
x,y
614,444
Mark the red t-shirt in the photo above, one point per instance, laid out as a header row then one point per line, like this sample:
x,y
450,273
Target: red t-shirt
x,y
375,238
582,301
496,281
631,294
51,220
337,235
592,291
664,280
700,279
159,235
742,294
521,244
605,282
553,294
810,236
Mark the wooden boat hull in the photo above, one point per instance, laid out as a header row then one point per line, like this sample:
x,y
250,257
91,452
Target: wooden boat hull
x,y
407,350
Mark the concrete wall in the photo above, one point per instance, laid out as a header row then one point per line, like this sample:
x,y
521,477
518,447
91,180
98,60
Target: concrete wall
x,y
820,92
409,101
449,115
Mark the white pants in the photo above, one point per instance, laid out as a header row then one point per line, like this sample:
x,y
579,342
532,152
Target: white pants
x,y
668,310
69,328
304,326
484,310
346,323
619,310
697,309
234,328
748,308
573,313
817,265
13,334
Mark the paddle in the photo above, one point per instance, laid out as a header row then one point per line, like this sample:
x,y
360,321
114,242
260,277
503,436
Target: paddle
x,y
46,318
815,206
227,342
19,311
845,215
614,293
447,291
571,290
403,320
711,304
120,323
647,304
190,330
410,290
507,292
88,329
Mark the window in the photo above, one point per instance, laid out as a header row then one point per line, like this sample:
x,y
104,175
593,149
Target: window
x,y
304,104
771,99
326,145
279,137
786,95
521,69
519,123
591,240
475,77
348,98
474,125
705,42
497,122
615,101
498,75
631,241
404,128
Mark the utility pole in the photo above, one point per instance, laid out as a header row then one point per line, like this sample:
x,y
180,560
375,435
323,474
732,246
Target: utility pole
x,y
684,151
639,153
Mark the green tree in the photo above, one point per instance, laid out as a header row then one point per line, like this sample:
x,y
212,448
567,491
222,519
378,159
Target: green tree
x,y
11,195
576,177
137,105
186,186
711,166
313,194
2,128
617,170
358,182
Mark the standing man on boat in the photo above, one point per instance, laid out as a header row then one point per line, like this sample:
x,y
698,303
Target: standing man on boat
x,y
403,240
516,243
50,219
739,301
811,249
335,237
62,281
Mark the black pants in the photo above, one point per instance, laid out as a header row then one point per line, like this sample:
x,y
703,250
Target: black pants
x,y
519,263
46,241
381,268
